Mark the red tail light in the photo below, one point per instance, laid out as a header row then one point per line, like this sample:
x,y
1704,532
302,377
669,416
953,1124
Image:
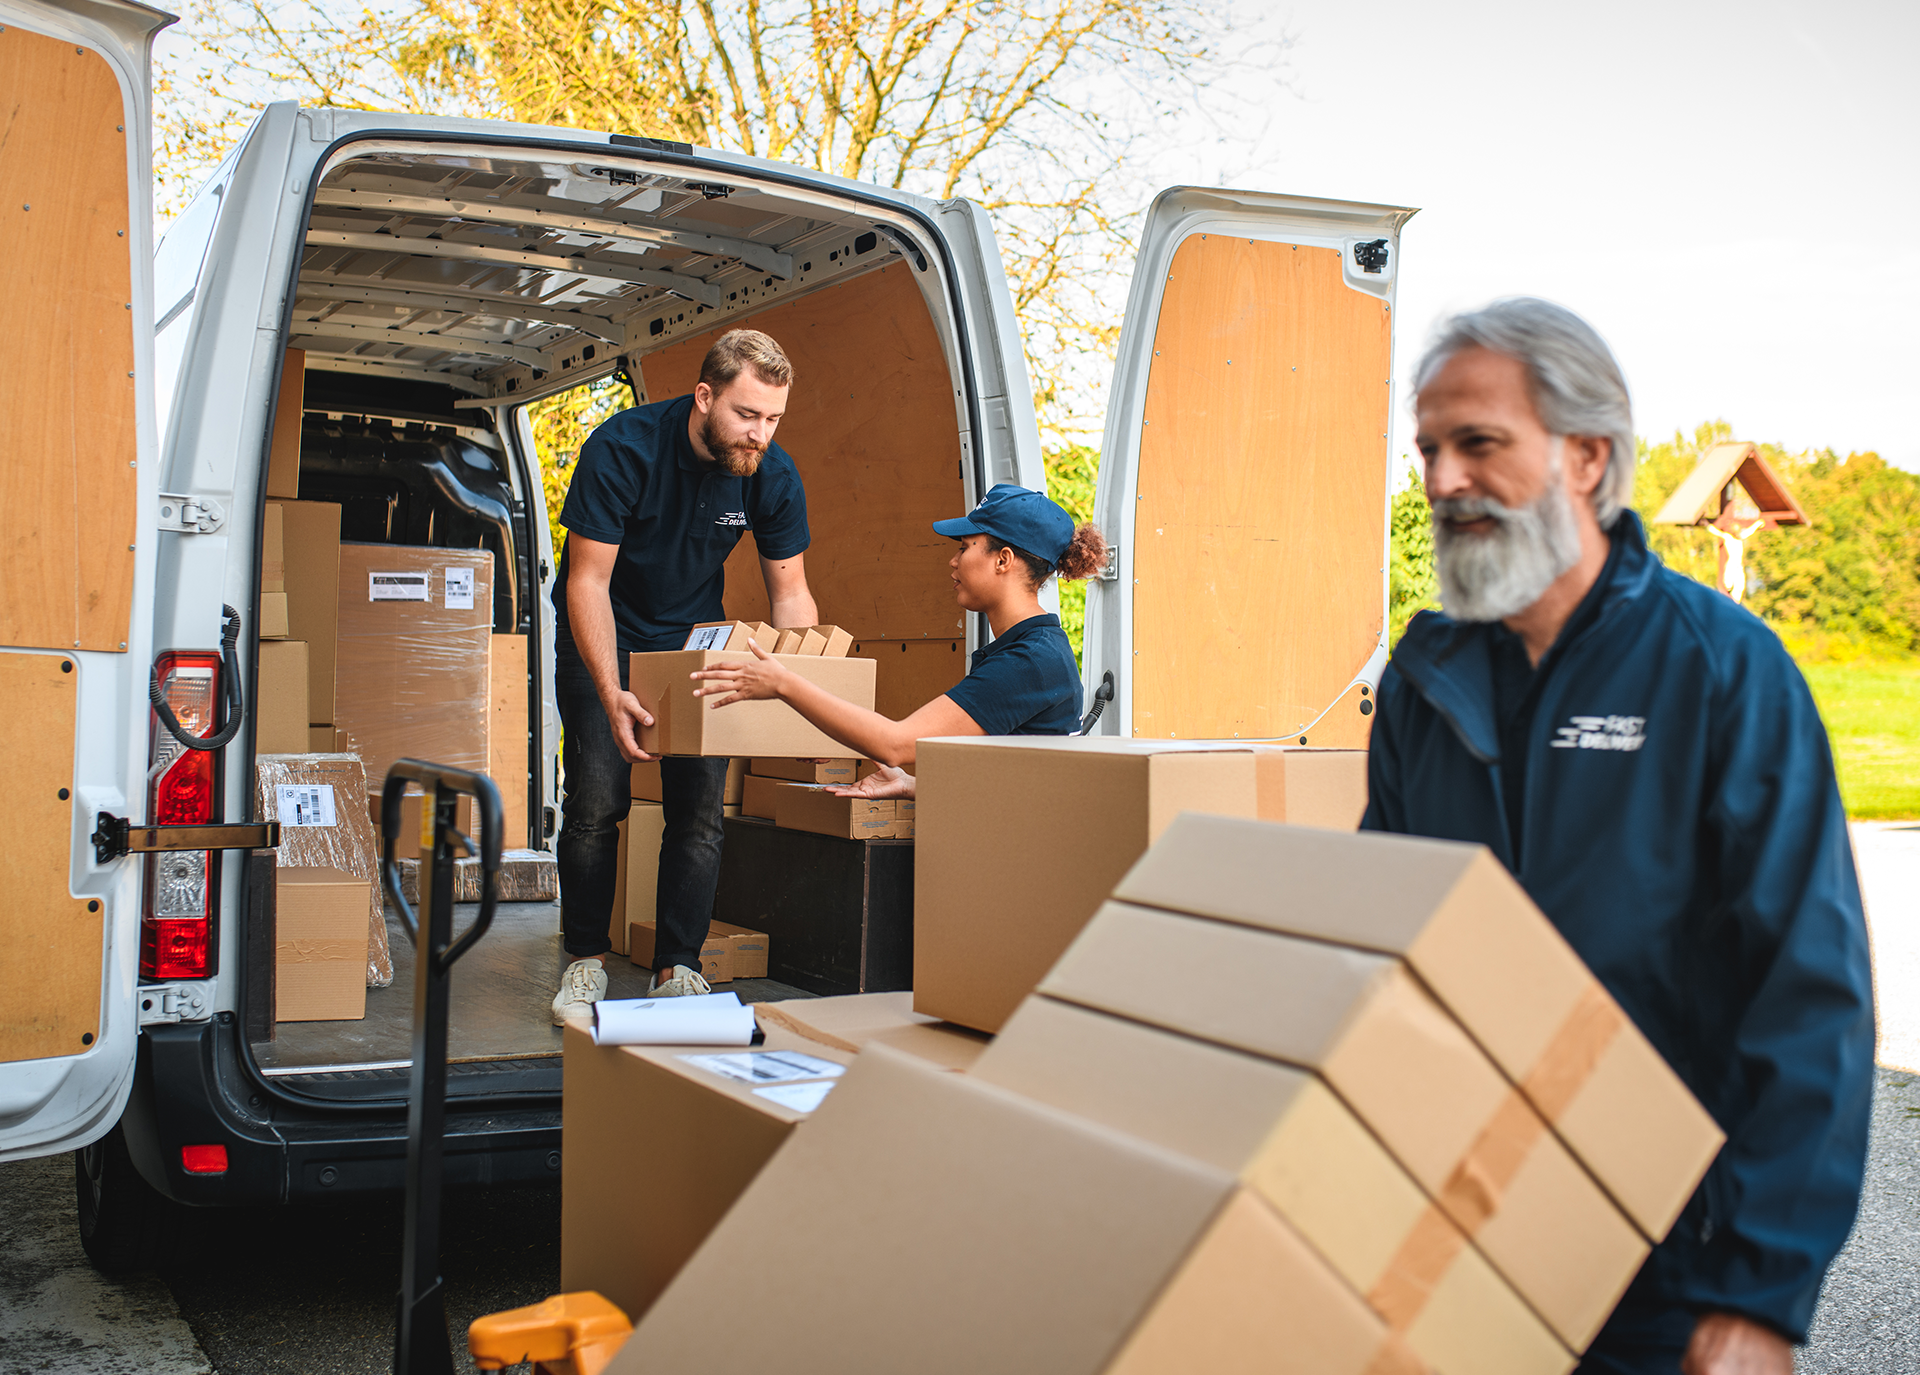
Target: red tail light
x,y
203,1159
176,927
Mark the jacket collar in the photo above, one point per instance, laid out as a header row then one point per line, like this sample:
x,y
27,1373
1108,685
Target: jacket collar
x,y
1450,664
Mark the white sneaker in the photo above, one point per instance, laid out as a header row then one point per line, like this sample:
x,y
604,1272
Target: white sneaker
x,y
682,982
583,985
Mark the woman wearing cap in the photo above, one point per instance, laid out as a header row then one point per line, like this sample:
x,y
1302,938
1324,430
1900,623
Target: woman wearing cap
x,y
1023,683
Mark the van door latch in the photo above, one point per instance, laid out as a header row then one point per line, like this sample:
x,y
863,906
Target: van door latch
x,y
191,515
1111,573
164,1003
114,836
1370,256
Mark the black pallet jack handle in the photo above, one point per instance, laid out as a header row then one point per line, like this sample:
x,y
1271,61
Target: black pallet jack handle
x,y
421,1345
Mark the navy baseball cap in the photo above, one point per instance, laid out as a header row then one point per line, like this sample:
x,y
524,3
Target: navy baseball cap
x,y
1020,516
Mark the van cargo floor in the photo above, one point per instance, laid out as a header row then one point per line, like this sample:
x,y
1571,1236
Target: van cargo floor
x,y
502,1000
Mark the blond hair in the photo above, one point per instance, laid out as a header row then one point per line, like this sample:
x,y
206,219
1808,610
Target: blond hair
x,y
739,349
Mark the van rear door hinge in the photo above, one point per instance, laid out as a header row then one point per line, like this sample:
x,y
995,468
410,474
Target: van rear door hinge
x,y
191,515
164,1003
114,836
1111,573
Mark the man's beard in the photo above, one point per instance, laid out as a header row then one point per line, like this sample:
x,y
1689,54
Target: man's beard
x,y
736,460
1503,572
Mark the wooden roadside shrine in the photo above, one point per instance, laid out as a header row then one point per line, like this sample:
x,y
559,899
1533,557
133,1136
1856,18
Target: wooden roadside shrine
x,y
1734,494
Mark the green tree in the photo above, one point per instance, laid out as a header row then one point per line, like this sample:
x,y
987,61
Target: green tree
x,y
1412,585
1072,471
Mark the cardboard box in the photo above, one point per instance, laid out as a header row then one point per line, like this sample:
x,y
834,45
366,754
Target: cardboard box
x,y
656,1151
273,550
1312,787
283,451
524,876
758,795
1251,1298
842,771
280,698
273,616
310,535
320,740
412,806
928,1222
808,808
415,643
732,635
1462,923
685,724
716,954
1062,820
316,799
854,1021
835,642
507,752
789,642
320,945
748,949
1396,1058
646,782
1292,1142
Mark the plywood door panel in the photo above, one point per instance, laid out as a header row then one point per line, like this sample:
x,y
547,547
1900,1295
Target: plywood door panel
x,y
872,425
507,734
67,448
1260,531
908,674
50,978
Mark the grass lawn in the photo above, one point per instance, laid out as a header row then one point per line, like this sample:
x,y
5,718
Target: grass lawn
x,y
1873,714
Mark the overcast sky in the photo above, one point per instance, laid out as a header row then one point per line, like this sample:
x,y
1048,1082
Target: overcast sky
x,y
1729,192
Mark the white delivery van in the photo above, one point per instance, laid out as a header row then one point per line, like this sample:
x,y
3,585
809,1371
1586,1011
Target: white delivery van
x,y
393,297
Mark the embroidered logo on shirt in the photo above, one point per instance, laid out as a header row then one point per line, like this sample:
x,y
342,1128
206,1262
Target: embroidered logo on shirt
x,y
1624,733
735,518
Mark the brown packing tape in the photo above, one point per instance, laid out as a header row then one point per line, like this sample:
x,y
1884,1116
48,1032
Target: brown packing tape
x,y
1571,1057
1473,1191
1430,1247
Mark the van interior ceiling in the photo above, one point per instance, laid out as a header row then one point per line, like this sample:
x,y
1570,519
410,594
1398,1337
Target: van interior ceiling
x,y
440,291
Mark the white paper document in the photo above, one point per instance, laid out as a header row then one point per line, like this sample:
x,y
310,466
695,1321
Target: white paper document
x,y
708,637
459,589
305,804
797,1097
708,1019
767,1066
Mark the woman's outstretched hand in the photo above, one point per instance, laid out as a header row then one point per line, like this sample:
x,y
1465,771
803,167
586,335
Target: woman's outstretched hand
x,y
885,781
756,681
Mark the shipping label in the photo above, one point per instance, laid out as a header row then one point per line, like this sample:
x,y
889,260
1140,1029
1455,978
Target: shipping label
x,y
459,589
766,1066
709,637
305,804
399,587
796,1097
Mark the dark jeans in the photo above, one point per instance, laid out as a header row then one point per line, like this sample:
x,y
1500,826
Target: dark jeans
x,y
598,795
1641,1338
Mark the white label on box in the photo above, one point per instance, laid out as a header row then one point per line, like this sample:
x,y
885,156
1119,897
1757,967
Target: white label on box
x,y
709,637
306,804
399,587
459,589
766,1066
797,1097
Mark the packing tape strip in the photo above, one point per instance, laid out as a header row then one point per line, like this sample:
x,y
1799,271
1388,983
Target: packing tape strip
x,y
1577,1047
1416,1269
1394,1357
1473,1191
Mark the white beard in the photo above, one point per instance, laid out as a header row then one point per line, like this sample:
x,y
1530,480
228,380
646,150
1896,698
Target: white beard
x,y
1503,572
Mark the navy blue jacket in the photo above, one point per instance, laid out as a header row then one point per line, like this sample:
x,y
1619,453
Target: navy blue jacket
x,y
1704,874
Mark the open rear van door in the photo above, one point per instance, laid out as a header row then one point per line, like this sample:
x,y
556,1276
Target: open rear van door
x,y
1244,472
76,566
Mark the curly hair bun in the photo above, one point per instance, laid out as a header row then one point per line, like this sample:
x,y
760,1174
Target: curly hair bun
x,y
1086,555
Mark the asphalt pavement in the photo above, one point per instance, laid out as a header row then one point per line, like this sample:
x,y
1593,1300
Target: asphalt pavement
x,y
312,1291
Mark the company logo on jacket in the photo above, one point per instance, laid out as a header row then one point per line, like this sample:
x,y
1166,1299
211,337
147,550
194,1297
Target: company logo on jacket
x,y
1625,733
736,518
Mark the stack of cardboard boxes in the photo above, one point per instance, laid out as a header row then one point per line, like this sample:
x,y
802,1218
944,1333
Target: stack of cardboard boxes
x,y
794,793
1291,1101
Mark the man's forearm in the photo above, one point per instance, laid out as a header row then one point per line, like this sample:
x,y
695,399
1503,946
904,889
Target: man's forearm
x,y
590,618
795,611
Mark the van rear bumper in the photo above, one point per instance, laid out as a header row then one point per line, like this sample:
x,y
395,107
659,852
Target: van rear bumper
x,y
191,1088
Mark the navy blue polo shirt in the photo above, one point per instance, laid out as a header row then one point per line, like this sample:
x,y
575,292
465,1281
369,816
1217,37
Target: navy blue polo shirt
x,y
639,484
1024,683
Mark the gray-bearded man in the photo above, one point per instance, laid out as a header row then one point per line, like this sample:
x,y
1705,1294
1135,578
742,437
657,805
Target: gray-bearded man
x,y
1646,759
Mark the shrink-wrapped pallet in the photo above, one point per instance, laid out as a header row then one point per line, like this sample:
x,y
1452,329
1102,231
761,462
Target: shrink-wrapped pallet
x,y
320,803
